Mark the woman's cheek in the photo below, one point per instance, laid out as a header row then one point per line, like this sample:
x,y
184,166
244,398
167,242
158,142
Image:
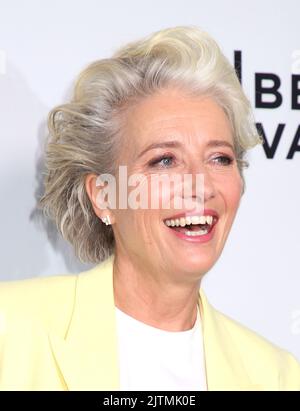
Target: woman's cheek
x,y
159,192
234,191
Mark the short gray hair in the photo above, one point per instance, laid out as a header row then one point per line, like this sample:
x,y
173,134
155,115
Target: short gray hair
x,y
84,133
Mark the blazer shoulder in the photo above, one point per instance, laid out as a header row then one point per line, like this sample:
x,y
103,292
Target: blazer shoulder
x,y
259,355
46,300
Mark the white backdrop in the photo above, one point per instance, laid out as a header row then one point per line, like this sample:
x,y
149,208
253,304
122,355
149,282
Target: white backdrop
x,y
43,46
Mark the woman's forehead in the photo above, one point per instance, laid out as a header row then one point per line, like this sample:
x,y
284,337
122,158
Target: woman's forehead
x,y
176,117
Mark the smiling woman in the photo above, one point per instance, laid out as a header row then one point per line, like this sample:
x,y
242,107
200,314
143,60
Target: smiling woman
x,y
169,106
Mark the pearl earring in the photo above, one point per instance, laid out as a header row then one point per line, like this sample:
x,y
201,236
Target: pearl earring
x,y
106,220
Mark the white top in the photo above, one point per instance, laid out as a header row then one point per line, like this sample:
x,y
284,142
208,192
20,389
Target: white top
x,y
155,359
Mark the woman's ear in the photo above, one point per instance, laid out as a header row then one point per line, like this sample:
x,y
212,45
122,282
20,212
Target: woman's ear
x,y
93,189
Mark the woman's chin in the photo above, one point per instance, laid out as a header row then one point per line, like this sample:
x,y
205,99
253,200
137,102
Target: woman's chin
x,y
194,265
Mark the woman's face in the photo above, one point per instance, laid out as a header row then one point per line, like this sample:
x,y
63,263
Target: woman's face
x,y
202,143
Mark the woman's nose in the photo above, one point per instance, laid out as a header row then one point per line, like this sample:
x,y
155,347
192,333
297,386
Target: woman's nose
x,y
207,189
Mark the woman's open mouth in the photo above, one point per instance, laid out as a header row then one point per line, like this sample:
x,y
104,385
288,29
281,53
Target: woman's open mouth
x,y
199,228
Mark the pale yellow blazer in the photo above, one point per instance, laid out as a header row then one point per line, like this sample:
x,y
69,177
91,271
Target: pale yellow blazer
x,y
59,333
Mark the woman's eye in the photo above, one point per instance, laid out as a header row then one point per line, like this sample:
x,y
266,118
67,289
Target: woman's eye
x,y
163,161
223,160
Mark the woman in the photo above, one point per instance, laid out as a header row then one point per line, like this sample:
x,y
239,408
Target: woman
x,y
168,105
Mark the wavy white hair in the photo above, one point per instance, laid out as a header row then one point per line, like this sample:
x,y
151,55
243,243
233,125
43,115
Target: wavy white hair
x,y
84,133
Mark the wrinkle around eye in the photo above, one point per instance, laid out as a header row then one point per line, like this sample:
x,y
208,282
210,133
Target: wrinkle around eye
x,y
227,160
157,162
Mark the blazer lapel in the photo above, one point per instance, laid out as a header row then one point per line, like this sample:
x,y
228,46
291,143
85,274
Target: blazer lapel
x,y
224,367
88,356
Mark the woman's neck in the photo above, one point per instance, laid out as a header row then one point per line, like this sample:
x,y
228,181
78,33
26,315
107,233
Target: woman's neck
x,y
153,298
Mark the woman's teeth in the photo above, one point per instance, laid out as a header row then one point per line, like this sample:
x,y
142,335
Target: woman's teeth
x,y
206,221
200,232
183,221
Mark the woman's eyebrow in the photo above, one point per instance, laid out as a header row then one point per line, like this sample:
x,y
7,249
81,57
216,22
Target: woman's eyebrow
x,y
164,144
220,143
176,144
